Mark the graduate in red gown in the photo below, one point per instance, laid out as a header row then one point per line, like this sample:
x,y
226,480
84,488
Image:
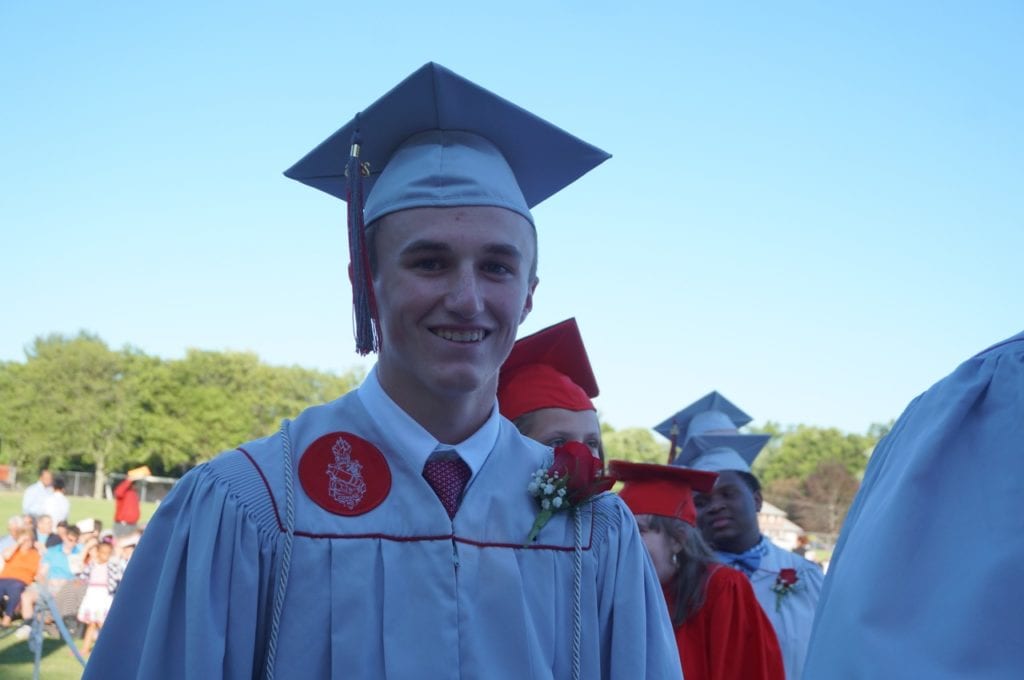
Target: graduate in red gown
x,y
721,630
546,385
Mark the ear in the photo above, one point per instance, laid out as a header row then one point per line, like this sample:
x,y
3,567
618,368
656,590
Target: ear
x,y
528,304
758,500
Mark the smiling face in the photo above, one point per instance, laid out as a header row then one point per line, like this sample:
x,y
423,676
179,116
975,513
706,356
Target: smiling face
x,y
556,426
452,286
727,517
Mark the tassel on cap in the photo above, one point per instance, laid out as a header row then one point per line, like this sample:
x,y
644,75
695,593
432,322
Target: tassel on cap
x,y
672,443
364,306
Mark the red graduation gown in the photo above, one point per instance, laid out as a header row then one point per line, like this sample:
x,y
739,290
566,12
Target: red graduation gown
x,y
729,637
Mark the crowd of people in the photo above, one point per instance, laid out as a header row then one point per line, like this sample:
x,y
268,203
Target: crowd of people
x,y
76,568
387,533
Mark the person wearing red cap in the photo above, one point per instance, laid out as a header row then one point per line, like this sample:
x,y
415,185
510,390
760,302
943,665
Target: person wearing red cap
x,y
546,385
721,630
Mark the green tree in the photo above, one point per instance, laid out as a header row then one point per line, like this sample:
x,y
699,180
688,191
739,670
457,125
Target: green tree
x,y
799,451
70,403
632,443
75,402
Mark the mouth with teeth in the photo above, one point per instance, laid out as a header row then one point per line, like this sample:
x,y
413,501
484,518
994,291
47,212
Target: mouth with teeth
x,y
467,336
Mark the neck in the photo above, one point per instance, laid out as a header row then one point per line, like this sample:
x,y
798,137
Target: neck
x,y
741,545
449,418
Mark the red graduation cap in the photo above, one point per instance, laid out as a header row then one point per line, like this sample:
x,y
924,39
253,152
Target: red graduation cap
x,y
665,490
548,369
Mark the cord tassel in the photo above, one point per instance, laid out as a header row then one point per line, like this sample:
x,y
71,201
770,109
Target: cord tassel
x,y
364,306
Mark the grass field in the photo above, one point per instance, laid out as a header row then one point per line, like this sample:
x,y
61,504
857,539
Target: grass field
x,y
58,663
81,508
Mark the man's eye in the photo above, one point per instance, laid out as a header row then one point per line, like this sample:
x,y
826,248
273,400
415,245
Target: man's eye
x,y
497,268
556,442
427,264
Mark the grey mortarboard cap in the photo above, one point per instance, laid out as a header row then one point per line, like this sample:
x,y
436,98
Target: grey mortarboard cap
x,y
437,139
712,412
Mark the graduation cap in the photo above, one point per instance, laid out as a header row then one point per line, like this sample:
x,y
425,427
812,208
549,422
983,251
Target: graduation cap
x,y
438,140
712,413
548,369
664,490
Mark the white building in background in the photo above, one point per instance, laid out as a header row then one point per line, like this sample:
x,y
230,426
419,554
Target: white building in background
x,y
777,527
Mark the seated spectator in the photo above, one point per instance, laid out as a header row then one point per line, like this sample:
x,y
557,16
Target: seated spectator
x,y
721,631
20,568
55,571
44,530
14,525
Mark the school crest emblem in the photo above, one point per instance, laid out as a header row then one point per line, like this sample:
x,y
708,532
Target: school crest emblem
x,y
344,474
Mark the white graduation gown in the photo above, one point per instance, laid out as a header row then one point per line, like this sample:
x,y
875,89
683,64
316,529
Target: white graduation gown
x,y
399,592
926,580
793,616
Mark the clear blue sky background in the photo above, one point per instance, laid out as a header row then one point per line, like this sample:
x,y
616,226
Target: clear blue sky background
x,y
816,210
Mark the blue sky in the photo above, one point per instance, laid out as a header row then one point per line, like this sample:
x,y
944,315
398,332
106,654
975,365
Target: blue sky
x,y
816,210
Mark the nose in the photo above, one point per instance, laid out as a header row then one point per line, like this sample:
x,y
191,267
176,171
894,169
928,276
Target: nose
x,y
465,297
715,504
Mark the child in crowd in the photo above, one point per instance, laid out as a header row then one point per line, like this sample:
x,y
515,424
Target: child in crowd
x,y
102,574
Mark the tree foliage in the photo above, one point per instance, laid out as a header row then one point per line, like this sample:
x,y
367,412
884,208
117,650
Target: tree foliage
x,y
813,473
636,444
75,402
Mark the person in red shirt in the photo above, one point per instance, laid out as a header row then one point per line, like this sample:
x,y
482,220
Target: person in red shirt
x,y
721,630
126,503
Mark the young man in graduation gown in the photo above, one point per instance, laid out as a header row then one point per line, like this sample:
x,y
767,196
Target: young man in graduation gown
x,y
786,584
382,535
925,581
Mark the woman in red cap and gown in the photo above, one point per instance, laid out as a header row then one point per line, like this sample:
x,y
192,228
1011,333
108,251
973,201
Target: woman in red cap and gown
x,y
720,628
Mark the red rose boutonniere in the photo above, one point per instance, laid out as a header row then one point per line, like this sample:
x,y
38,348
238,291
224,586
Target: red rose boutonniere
x,y
573,478
785,583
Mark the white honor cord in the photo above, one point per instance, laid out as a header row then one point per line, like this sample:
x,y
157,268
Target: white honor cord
x,y
286,553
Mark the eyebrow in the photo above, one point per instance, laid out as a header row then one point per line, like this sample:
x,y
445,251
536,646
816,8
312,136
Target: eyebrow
x,y
429,246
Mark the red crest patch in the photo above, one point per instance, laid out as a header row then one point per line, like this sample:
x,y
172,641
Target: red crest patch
x,y
345,474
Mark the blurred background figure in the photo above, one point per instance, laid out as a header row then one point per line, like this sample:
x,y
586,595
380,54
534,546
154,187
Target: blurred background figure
x,y
14,525
126,502
546,385
786,584
56,504
32,502
721,631
942,494
21,564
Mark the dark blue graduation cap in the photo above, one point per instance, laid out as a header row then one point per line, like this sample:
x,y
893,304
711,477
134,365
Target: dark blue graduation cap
x,y
438,140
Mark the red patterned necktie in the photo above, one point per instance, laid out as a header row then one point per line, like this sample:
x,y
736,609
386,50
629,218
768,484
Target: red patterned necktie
x,y
447,477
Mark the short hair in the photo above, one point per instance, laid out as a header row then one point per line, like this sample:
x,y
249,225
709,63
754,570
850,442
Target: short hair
x,y
58,483
74,532
750,480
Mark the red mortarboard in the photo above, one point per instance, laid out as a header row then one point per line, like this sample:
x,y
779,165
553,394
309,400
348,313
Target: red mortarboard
x,y
665,490
548,369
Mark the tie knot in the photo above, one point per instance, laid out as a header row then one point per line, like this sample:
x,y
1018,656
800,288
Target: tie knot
x,y
448,477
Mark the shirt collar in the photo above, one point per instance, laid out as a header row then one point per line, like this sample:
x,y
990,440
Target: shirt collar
x,y
409,439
